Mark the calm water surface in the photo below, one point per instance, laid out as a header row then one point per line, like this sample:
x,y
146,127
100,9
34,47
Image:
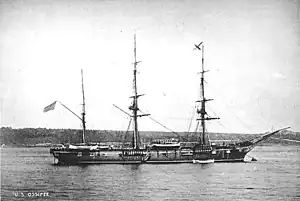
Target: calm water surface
x,y
25,172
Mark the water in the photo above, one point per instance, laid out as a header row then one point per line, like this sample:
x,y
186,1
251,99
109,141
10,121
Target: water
x,y
25,172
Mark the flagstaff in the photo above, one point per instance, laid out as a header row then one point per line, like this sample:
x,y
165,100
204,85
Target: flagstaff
x,y
82,118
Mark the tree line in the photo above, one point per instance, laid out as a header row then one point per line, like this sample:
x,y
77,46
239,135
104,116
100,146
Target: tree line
x,y
33,136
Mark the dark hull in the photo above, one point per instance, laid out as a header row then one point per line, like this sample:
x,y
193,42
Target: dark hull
x,y
168,156
159,155
231,153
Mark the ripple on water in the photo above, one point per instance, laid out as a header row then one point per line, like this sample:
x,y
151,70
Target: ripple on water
x,y
262,180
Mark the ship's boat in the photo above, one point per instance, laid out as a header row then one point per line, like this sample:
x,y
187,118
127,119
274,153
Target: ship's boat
x,y
204,161
162,144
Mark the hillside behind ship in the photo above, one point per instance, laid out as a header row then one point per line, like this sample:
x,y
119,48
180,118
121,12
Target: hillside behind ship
x,y
47,137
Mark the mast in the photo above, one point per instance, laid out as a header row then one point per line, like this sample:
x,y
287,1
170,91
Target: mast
x,y
2,111
202,112
134,106
83,110
135,102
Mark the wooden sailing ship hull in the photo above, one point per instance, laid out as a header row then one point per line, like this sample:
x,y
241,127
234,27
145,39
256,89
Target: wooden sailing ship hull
x,y
85,156
67,158
157,155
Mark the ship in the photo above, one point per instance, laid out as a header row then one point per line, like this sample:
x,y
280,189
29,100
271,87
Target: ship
x,y
159,152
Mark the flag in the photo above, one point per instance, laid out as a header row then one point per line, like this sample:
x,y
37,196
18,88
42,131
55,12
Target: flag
x,y
50,107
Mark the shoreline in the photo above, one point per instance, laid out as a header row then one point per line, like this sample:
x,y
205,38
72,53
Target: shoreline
x,y
52,145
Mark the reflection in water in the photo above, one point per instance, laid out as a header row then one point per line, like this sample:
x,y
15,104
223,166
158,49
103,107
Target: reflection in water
x,y
204,166
134,167
84,167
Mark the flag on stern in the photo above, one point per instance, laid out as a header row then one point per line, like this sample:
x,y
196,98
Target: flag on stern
x,y
50,107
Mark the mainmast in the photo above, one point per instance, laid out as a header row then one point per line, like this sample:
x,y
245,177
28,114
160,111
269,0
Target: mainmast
x,y
202,112
135,102
83,110
134,106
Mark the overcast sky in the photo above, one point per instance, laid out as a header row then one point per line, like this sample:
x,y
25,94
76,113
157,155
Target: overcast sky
x,y
252,49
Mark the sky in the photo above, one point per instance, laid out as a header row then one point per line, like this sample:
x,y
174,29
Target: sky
x,y
252,52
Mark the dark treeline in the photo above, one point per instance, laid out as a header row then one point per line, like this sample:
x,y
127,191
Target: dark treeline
x,y
33,136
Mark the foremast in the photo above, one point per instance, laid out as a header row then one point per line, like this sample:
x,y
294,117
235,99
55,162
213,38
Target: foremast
x,y
201,111
134,107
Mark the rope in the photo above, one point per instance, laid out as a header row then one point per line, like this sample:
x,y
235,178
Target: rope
x,y
127,130
222,96
243,123
163,125
197,126
222,124
191,120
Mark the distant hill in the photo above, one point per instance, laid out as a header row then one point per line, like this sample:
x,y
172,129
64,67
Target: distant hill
x,y
34,136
